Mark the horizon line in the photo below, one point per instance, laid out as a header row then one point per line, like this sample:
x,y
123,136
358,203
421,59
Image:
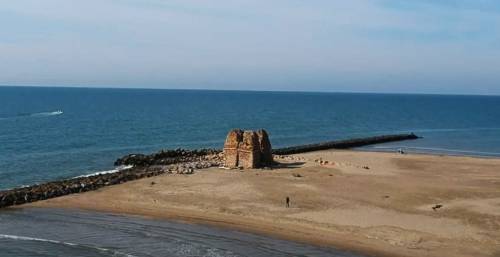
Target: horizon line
x,y
250,90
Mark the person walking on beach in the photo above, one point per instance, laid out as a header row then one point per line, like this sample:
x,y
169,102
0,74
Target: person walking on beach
x,y
287,202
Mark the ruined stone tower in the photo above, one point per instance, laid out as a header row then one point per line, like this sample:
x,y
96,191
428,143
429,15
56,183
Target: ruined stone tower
x,y
247,149
231,145
266,155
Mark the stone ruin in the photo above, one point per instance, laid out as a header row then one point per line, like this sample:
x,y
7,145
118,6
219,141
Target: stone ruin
x,y
247,149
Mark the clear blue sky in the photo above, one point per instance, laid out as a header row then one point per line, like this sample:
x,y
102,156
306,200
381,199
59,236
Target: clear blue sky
x,y
420,46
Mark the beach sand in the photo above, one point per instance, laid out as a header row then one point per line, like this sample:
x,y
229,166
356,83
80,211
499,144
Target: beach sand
x,y
372,203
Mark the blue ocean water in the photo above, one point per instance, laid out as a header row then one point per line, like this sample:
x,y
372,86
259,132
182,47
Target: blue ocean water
x,y
54,133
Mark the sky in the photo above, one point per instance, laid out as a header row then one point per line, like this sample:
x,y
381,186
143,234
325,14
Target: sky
x,y
384,46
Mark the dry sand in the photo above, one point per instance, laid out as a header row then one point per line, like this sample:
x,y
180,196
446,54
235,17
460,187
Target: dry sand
x,y
372,203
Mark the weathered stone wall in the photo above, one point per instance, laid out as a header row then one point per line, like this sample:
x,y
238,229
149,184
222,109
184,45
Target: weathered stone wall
x,y
247,149
231,145
266,156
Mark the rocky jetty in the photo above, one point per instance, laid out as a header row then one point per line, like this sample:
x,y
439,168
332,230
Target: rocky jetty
x,y
166,157
247,149
165,162
344,144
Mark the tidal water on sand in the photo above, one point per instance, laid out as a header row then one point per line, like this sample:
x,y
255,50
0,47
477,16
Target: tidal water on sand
x,y
62,233
56,133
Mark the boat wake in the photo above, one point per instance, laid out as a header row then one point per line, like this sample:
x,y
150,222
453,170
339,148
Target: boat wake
x,y
35,114
45,114
100,249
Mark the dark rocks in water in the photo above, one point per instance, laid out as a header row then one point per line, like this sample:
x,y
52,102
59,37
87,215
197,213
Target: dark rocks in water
x,y
165,157
174,161
70,186
344,144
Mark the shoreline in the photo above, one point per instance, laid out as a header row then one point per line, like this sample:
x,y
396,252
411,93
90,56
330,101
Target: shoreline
x,y
423,153
383,210
357,149
169,161
256,227
444,152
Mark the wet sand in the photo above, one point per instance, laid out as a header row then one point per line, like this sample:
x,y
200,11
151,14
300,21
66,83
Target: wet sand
x,y
371,203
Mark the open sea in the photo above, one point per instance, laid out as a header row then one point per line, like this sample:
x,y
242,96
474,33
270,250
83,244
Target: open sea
x,y
57,133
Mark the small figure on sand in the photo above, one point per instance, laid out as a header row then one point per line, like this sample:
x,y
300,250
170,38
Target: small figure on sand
x,y
437,206
287,202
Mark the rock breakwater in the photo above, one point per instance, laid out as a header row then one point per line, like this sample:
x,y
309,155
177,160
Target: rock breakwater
x,y
167,157
165,162
177,161
344,144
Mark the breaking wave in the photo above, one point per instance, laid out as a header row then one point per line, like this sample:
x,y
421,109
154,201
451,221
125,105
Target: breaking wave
x,y
100,249
120,168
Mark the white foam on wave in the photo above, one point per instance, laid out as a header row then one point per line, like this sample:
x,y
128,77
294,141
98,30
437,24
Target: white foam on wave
x,y
118,169
25,238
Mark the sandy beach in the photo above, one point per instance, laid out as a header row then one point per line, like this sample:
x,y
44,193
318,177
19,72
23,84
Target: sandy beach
x,y
380,204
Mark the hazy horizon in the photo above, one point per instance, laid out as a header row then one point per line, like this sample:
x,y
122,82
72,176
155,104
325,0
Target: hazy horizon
x,y
248,90
359,46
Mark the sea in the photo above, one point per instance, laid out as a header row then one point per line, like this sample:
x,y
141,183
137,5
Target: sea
x,y
57,133
50,133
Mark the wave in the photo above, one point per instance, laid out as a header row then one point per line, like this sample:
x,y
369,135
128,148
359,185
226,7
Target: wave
x,y
44,114
436,149
25,238
35,114
118,169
